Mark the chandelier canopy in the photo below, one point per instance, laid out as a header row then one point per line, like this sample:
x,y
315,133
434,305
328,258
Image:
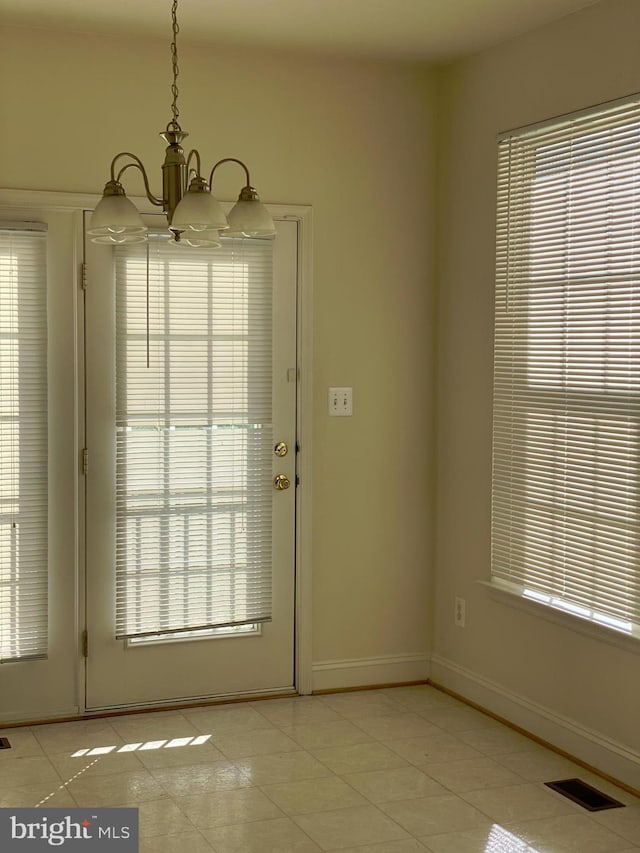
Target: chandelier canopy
x,y
194,216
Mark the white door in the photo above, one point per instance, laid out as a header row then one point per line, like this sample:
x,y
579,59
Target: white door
x,y
190,384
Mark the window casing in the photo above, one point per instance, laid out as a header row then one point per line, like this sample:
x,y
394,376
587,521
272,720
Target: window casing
x,y
566,444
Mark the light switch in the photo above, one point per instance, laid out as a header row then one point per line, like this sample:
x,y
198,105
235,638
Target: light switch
x,y
340,402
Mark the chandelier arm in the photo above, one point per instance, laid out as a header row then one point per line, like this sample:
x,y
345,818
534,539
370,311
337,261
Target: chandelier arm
x,y
229,160
193,153
137,163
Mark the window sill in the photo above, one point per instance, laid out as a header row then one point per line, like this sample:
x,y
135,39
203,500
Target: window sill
x,y
593,630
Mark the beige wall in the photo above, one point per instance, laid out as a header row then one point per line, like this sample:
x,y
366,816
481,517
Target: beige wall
x,y
355,141
577,62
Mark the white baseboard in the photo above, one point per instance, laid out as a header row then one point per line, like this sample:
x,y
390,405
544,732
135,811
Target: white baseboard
x,y
362,672
48,714
601,752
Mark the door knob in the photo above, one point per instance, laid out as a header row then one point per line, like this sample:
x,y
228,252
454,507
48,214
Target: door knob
x,y
281,482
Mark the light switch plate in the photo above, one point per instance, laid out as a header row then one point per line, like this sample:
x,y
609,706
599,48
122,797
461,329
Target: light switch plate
x,y
340,402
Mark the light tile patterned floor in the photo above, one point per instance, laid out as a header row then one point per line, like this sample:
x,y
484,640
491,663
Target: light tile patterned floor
x,y
384,771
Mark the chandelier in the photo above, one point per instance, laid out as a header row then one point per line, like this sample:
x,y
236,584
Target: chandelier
x,y
194,216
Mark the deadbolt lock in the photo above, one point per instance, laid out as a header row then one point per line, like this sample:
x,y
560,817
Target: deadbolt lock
x,y
281,449
281,482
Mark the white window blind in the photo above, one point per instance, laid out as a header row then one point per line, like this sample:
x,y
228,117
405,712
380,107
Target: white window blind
x,y
193,436
23,444
566,455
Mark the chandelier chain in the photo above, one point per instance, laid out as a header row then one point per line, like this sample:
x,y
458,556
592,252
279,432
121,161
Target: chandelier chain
x,y
174,124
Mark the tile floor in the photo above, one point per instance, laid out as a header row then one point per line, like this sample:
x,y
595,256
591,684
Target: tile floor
x,y
384,771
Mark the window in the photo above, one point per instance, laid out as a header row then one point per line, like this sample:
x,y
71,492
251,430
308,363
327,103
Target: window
x,y
23,444
566,444
193,437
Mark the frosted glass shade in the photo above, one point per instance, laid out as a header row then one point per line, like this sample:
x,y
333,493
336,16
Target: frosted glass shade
x,y
206,239
250,218
117,239
116,217
198,210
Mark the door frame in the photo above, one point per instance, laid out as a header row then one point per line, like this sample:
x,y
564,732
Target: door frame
x,y
27,200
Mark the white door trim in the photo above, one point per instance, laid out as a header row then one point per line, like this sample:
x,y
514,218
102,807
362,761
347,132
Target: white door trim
x,y
304,611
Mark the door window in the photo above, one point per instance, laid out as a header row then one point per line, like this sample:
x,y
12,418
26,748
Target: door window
x,y
193,437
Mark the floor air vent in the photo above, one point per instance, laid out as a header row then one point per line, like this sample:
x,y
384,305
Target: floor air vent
x,y
4,743
584,795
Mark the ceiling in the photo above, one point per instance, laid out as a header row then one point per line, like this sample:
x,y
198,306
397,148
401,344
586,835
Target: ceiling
x,y
428,30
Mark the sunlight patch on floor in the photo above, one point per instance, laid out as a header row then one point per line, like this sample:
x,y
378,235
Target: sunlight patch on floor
x,y
150,744
501,840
